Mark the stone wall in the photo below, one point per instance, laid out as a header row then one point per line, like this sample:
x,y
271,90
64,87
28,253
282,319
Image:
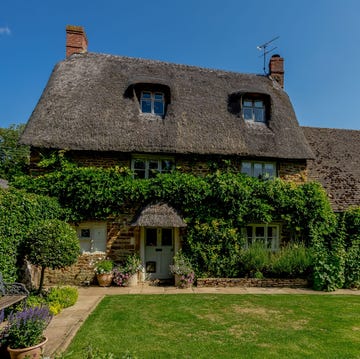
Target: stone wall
x,y
81,273
252,282
293,171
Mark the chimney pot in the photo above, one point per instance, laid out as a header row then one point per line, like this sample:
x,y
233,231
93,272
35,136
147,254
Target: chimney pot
x,y
276,69
76,40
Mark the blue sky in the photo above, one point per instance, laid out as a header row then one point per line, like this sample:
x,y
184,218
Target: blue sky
x,y
319,40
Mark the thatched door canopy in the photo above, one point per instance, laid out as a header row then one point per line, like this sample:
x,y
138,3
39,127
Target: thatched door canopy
x,y
159,215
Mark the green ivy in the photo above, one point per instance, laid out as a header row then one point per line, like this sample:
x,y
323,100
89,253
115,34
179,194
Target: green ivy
x,y
215,207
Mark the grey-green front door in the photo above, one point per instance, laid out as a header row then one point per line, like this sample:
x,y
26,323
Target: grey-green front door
x,y
159,252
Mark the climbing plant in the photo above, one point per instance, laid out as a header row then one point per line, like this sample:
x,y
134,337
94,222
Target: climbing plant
x,y
215,206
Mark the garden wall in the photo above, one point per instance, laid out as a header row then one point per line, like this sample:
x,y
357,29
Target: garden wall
x,y
252,282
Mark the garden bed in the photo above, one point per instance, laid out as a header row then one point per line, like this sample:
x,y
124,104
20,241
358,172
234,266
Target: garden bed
x,y
252,282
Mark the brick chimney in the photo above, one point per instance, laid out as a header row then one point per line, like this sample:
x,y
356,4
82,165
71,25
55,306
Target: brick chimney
x,y
76,41
276,69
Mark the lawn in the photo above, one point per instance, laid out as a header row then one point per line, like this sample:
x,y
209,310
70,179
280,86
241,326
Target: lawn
x,y
223,326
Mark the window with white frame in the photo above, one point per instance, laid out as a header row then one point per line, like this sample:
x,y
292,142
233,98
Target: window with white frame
x,y
266,234
253,110
263,170
152,102
144,167
92,236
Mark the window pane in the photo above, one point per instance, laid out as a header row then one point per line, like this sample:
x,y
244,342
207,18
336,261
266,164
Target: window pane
x,y
158,108
248,103
259,232
166,166
258,170
269,170
159,96
248,113
85,233
258,104
151,236
153,165
139,164
146,95
166,239
146,106
246,168
259,114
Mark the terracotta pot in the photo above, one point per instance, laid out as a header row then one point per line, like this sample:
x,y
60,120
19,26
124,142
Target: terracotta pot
x,y
34,352
104,279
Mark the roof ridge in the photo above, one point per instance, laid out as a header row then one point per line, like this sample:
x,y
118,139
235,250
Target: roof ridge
x,y
168,63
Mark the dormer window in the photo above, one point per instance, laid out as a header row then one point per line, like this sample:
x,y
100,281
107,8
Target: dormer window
x,y
153,99
251,107
253,110
152,102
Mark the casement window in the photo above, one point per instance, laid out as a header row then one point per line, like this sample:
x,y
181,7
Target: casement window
x,y
152,102
150,167
92,237
253,110
266,234
262,170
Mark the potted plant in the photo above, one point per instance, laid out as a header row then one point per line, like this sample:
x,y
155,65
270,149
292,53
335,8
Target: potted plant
x,y
127,275
104,272
23,333
134,266
182,271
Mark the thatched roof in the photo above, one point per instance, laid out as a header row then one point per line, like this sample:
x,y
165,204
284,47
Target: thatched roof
x,y
88,104
337,164
159,215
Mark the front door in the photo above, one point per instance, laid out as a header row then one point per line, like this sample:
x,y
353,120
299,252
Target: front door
x,y
159,252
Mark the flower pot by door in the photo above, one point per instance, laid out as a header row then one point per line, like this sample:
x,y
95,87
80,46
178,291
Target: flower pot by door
x,y
133,280
34,352
104,279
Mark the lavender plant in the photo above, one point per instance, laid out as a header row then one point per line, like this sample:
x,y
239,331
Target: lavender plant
x,y
25,328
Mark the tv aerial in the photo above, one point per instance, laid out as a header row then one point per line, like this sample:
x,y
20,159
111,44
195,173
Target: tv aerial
x,y
265,50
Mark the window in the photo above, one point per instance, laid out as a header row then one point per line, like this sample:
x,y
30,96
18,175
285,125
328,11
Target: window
x,y
150,167
263,170
152,102
267,234
92,237
253,110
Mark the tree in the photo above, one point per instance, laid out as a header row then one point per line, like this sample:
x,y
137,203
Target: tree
x,y
14,158
52,244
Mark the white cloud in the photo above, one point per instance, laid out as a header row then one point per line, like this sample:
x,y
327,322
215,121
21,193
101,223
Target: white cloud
x,y
5,31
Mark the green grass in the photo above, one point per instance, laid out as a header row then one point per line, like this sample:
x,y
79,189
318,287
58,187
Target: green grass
x,y
223,326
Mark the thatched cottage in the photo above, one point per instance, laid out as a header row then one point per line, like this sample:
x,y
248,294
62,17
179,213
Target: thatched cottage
x,y
151,115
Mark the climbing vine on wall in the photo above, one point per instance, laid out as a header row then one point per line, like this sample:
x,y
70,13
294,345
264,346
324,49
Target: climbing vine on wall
x,y
215,207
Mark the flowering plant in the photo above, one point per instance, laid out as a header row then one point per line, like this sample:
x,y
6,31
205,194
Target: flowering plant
x,y
131,266
105,266
183,269
25,328
120,276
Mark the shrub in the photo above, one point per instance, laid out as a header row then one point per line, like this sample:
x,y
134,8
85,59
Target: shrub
x,y
19,211
352,246
65,296
255,260
293,260
52,244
